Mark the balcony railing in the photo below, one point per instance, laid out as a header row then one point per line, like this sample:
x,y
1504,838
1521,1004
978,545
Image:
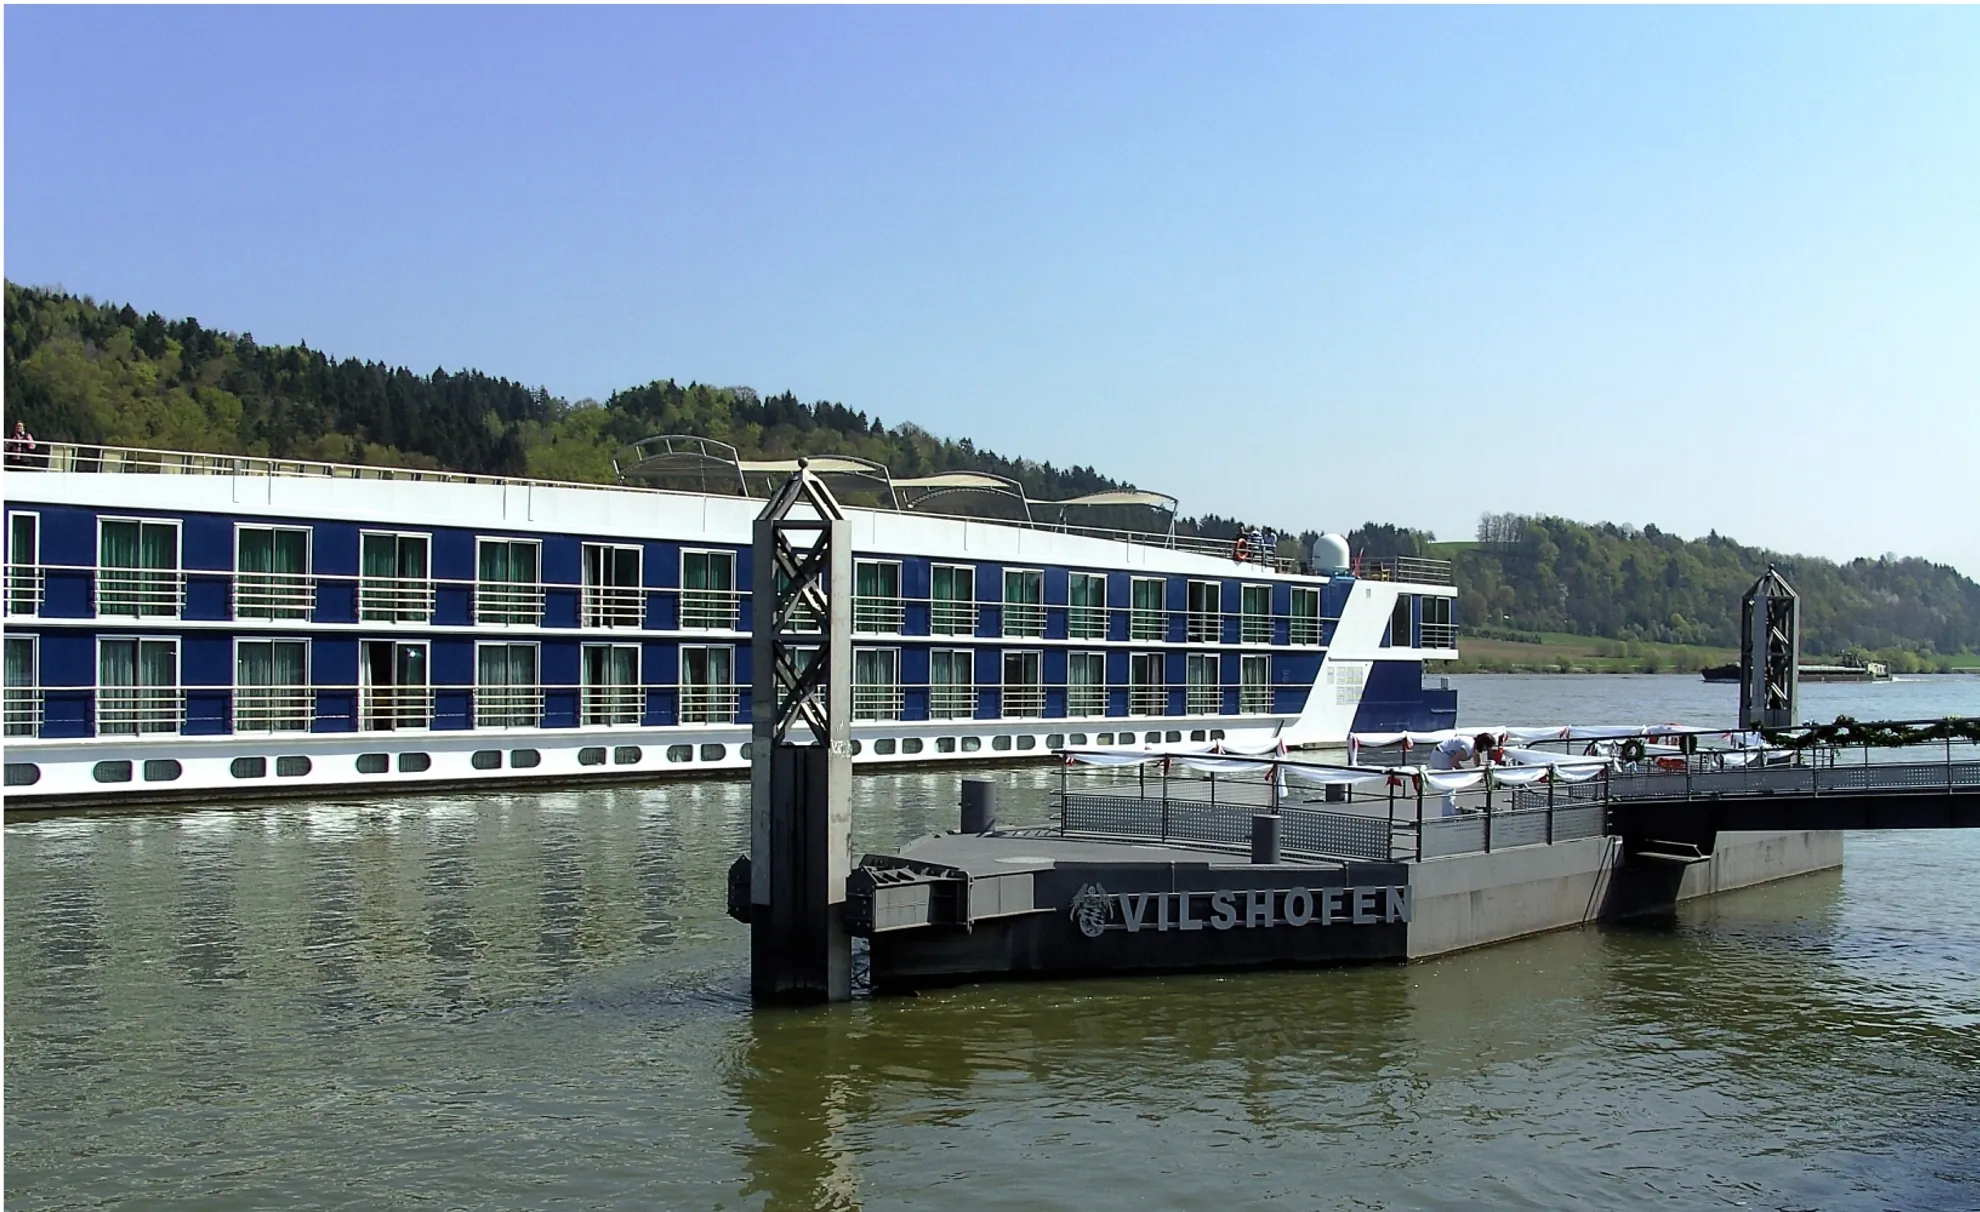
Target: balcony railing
x,y
395,600
1148,700
274,595
1439,635
947,617
139,592
1024,619
877,702
510,603
1086,699
138,710
951,702
613,606
878,615
1024,702
710,609
1254,699
1148,625
1205,626
391,708
1303,630
24,589
1255,628
508,706
1086,622
273,708
23,711
708,704
608,705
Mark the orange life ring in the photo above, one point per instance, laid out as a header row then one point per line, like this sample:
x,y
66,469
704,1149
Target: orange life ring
x,y
1241,550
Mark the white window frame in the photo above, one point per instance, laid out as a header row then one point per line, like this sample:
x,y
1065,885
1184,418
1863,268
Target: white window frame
x,y
713,713
30,574
176,692
305,691
419,616
368,713
1097,688
604,607
637,690
967,608
1207,697
881,615
1255,698
308,586
877,700
1161,629
941,709
1203,626
1033,693
1254,628
1141,694
1297,632
733,592
1035,612
178,569
30,695
1090,630
526,596
510,692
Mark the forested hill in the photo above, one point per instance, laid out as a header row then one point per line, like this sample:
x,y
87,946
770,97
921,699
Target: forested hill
x,y
79,371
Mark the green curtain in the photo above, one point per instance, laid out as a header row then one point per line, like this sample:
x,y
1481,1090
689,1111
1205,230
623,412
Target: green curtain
x,y
1147,610
23,586
158,554
117,591
378,561
158,676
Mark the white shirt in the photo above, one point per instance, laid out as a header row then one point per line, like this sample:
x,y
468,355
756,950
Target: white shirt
x,y
1451,752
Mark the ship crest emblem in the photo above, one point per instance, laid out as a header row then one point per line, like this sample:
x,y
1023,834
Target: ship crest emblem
x,y
1090,908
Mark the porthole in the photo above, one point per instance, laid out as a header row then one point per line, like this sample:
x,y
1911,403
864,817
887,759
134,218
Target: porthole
x,y
627,755
1028,742
23,774
1153,738
970,744
1198,735
680,753
112,772
1001,744
249,768
1216,734
415,763
373,763
714,753
1105,738
858,747
911,745
1173,736
746,750
884,747
486,759
591,755
1077,739
1056,740
525,759
292,766
161,770
945,744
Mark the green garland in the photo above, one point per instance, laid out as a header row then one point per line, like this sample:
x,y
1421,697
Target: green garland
x,y
1848,732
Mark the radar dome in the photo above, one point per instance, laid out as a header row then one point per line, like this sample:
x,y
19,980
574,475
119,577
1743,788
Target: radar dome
x,y
1330,553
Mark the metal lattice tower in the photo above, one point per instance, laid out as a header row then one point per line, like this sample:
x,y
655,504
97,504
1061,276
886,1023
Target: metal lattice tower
x,y
801,789
1769,652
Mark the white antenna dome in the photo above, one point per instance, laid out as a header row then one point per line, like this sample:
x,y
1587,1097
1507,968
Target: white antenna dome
x,y
1330,553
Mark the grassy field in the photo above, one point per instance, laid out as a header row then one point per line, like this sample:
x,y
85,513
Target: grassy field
x,y
1562,653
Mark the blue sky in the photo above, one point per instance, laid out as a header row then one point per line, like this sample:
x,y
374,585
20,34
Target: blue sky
x,y
1708,268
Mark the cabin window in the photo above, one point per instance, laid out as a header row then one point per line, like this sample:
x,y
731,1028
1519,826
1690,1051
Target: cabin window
x,y
271,573
626,755
415,763
708,688
877,597
1076,739
1437,629
884,747
1086,607
138,569
1001,744
112,772
911,745
392,684
1027,742
486,759
373,763
161,770
1024,602
708,590
591,755
972,744
23,703
393,583
291,766
23,774
257,767
1254,687
1147,693
1305,627
506,590
876,684
23,564
612,596
506,693
271,686
1399,623
952,600
1205,623
525,759
1145,618
945,744
951,684
1024,690
1205,696
1086,684
1255,624
137,686
680,753
714,753
612,691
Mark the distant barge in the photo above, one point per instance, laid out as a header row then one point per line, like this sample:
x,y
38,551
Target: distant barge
x,y
1869,671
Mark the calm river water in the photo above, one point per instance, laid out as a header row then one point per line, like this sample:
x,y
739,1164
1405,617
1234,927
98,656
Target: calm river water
x,y
519,1001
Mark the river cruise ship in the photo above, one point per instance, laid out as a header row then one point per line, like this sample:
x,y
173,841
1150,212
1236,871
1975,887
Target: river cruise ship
x,y
184,625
